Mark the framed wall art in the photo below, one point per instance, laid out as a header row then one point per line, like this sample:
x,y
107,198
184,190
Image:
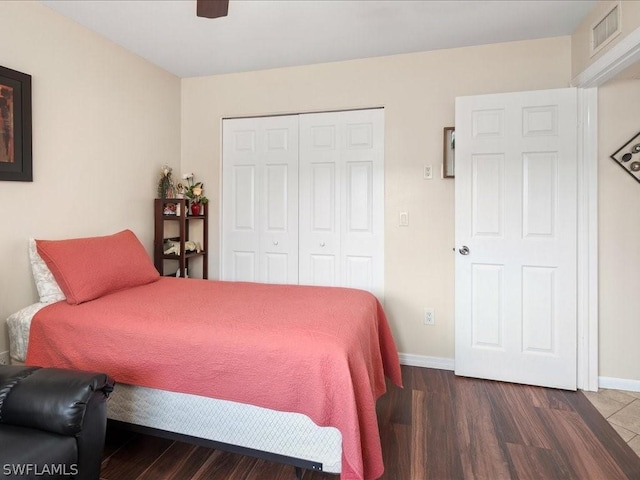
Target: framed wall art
x,y
449,149
628,157
16,161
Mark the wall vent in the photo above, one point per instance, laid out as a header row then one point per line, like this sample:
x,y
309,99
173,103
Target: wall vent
x,y
605,29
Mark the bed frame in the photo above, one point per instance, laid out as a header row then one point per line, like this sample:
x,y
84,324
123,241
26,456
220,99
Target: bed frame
x,y
300,465
293,439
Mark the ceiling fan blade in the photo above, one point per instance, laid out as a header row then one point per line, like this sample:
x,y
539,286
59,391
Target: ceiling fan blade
x,y
212,8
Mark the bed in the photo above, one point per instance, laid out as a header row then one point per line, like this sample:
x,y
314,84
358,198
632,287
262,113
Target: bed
x,y
292,371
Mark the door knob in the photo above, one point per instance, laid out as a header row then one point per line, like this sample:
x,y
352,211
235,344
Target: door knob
x,y
275,242
322,244
464,250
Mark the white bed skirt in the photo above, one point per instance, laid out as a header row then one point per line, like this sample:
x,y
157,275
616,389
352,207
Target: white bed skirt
x,y
282,433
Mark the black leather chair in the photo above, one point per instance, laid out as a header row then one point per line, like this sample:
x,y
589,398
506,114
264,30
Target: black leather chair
x,y
52,423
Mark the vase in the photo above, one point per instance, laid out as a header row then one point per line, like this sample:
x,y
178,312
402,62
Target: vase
x,y
195,209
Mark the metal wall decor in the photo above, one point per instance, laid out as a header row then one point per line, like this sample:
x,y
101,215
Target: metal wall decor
x,y
628,157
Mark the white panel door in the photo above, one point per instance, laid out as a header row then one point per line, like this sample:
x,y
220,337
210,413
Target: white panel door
x,y
260,199
516,200
320,200
342,199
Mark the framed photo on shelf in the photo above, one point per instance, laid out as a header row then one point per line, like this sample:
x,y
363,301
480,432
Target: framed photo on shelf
x,y
170,209
16,163
449,155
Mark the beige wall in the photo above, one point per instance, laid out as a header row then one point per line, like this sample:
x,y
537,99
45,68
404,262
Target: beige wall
x,y
581,39
418,92
619,234
104,120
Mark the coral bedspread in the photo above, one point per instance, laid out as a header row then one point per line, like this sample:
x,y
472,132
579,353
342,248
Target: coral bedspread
x,y
319,351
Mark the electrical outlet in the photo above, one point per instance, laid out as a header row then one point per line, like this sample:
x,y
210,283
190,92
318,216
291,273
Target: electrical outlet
x,y
428,172
429,316
4,358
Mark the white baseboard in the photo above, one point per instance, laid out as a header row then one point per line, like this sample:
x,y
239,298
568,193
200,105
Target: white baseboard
x,y
4,358
449,364
619,384
427,362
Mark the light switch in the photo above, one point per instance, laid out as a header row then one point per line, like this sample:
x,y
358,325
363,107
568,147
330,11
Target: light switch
x,y
404,219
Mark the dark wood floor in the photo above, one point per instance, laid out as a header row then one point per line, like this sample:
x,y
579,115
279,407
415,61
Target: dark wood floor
x,y
438,427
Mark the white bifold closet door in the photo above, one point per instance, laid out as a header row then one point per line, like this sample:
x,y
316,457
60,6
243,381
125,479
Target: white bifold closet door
x,y
342,199
260,199
321,190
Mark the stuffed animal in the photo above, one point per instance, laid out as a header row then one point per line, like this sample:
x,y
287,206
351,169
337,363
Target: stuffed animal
x,y
172,247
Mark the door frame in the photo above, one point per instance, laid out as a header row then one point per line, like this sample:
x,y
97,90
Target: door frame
x,y
620,56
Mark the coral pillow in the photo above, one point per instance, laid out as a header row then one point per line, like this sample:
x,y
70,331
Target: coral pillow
x,y
89,268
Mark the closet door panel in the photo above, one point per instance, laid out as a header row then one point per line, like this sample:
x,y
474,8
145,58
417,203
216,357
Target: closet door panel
x,y
279,201
322,269
342,199
260,199
322,197
276,198
240,238
303,199
359,272
244,265
320,179
358,228
244,193
359,193
362,227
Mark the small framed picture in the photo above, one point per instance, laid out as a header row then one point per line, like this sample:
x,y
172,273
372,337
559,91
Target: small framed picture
x,y
449,155
628,157
15,126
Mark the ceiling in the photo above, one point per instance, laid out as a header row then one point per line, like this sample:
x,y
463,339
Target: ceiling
x,y
262,34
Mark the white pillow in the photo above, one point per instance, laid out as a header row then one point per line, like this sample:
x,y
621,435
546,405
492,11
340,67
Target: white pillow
x,y
47,286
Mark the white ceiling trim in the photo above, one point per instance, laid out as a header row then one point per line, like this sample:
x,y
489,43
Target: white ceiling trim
x,y
621,56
